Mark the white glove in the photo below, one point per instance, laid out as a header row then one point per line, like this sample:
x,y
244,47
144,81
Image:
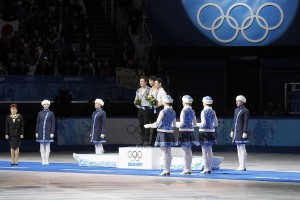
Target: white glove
x,y
51,135
102,136
177,124
198,124
244,135
231,134
36,135
6,137
21,136
147,126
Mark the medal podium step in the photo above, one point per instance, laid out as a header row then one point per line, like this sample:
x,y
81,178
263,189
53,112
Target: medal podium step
x,y
141,158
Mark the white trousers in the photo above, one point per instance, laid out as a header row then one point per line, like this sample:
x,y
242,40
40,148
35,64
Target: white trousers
x,y
99,148
187,158
242,156
45,153
207,156
167,158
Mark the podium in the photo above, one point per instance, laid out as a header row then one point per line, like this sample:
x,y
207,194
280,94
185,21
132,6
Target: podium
x,y
94,160
139,157
142,158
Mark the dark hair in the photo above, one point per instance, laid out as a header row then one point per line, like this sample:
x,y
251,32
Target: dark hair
x,y
144,77
14,106
152,78
159,80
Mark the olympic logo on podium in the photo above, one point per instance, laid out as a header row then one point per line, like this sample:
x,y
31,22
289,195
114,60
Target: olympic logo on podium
x,y
134,155
247,22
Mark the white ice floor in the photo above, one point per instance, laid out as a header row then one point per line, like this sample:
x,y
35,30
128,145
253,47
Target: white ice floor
x,y
53,185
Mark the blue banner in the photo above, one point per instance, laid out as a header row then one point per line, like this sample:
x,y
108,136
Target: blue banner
x,y
263,132
82,88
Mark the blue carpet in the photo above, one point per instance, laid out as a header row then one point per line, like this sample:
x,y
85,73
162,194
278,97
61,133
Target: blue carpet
x,y
226,174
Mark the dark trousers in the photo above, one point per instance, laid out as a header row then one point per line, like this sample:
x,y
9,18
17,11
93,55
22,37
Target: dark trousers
x,y
144,118
153,118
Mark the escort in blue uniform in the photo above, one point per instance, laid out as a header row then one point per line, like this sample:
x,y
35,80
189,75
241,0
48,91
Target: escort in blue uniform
x,y
98,126
207,138
165,123
45,126
186,138
239,131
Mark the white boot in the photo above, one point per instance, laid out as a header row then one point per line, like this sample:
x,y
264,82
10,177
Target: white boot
x,y
205,160
185,161
242,155
187,158
169,159
42,151
43,159
96,149
99,149
47,154
190,160
166,171
244,158
239,157
209,159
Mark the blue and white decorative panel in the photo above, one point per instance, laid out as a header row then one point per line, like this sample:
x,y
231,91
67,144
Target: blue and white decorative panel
x,y
264,132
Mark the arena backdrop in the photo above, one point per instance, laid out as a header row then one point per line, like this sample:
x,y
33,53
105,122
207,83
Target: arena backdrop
x,y
262,132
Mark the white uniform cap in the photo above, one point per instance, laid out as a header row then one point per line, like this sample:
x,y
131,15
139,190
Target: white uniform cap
x,y
167,99
187,99
100,101
241,98
45,101
207,100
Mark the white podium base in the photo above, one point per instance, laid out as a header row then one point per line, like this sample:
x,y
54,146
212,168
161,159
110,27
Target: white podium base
x,y
94,160
141,158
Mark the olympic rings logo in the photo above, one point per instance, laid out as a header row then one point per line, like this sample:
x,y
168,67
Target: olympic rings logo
x,y
247,22
134,131
134,155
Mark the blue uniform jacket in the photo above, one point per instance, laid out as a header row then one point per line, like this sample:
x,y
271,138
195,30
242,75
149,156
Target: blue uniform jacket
x,y
45,125
98,126
240,124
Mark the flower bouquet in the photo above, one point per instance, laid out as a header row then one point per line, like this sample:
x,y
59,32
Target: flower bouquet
x,y
152,101
138,102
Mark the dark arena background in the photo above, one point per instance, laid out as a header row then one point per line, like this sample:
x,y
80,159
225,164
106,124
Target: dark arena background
x,y
72,52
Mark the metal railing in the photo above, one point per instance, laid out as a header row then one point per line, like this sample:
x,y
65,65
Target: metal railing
x,y
112,10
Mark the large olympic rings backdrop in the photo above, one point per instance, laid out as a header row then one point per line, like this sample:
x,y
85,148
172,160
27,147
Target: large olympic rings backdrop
x,y
242,22
189,23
